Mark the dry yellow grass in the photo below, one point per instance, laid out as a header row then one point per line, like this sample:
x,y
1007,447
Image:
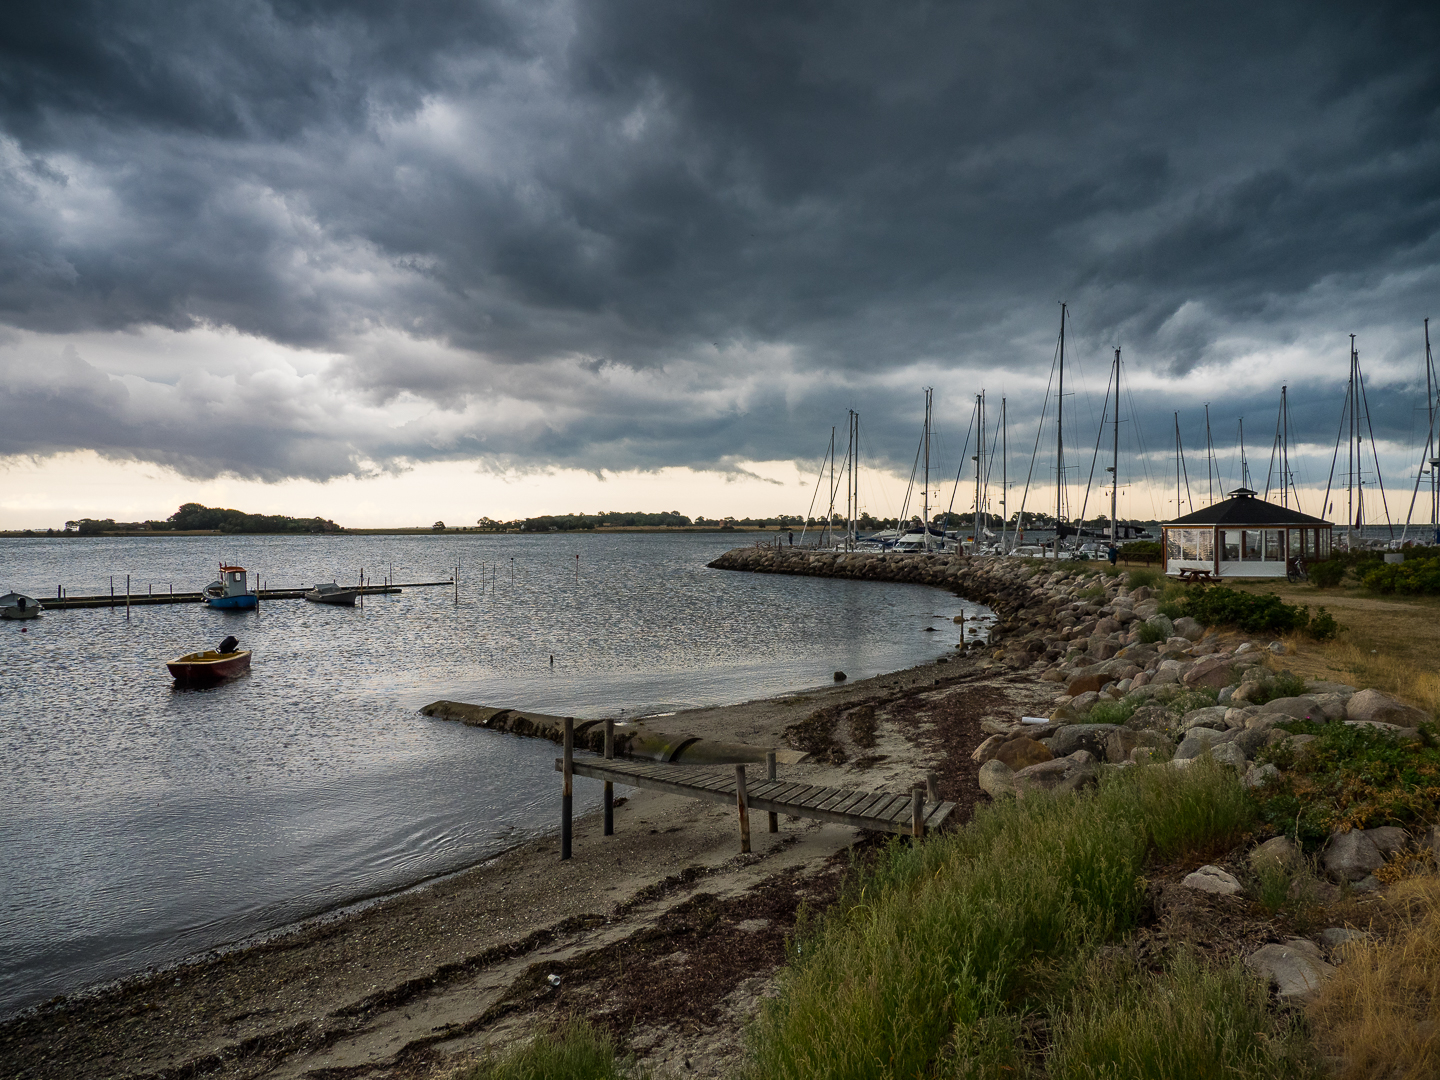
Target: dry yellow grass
x,y
1389,643
1377,1016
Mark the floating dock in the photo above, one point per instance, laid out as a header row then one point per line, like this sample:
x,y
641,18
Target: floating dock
x,y
137,599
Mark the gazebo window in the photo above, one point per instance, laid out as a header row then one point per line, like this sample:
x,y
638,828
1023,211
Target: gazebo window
x,y
1190,543
1251,546
1172,543
1324,535
1231,552
1274,545
1206,545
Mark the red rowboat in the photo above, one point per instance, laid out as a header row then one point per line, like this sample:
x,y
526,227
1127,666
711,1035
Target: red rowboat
x,y
209,667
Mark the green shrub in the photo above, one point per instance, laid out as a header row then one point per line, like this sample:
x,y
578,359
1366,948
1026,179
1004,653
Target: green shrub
x,y
1190,1020
1326,574
1323,627
1350,778
1263,613
574,1051
1418,575
1141,549
1148,634
1112,712
1142,579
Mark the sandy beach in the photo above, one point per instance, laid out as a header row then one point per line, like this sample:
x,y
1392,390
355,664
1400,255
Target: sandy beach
x,y
663,933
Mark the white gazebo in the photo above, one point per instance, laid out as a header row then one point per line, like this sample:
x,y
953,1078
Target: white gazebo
x,y
1244,537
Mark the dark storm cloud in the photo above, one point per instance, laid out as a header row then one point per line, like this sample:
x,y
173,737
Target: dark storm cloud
x,y
626,235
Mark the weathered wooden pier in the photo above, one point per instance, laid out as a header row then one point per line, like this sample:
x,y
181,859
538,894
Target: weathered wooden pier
x,y
122,599
912,813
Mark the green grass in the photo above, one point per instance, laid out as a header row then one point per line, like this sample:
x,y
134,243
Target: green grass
x,y
1113,712
933,958
1189,1021
1149,635
574,1051
1139,579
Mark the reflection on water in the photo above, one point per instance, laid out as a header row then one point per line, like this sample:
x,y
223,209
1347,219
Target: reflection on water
x,y
142,823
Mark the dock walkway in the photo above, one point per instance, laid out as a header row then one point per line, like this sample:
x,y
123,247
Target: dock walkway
x,y
138,599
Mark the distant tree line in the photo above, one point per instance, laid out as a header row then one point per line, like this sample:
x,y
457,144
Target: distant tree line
x,y
194,517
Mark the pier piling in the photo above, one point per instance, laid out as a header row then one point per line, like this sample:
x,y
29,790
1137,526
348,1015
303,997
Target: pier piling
x,y
774,818
917,811
742,803
609,784
567,792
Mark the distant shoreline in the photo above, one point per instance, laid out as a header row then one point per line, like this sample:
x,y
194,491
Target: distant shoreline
x,y
41,534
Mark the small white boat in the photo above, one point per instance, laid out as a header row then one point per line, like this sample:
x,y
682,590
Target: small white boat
x,y
331,593
19,606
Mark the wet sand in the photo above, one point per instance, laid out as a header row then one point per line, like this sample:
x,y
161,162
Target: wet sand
x,y
663,933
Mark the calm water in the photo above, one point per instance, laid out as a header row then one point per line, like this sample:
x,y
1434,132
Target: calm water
x,y
140,824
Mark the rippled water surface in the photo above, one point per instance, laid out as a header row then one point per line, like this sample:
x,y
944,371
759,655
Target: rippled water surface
x,y
140,823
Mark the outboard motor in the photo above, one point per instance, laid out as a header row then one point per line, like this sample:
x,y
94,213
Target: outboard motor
x,y
230,644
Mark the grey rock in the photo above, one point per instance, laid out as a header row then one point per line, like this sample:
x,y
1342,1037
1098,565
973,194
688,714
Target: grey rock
x,y
1277,851
1375,705
1189,629
1236,716
1251,740
1336,938
1368,884
1165,677
1213,671
1196,742
1229,753
1277,647
1149,755
1147,609
1212,879
1389,838
1260,775
1090,737
1226,693
1155,717
1212,716
1244,647
1319,686
1351,856
986,750
1296,968
1161,623
1071,773
997,779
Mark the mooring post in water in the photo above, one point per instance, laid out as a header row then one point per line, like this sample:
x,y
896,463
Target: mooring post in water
x,y
932,786
112,590
609,784
568,771
770,775
917,811
127,596
742,803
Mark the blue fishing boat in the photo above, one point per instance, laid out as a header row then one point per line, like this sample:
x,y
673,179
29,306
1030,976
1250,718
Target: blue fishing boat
x,y
231,591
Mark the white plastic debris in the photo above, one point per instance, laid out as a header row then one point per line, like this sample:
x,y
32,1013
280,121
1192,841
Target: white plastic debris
x,y
554,980
1034,720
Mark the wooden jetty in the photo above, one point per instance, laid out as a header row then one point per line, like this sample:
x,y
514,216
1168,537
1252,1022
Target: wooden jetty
x,y
121,599
912,813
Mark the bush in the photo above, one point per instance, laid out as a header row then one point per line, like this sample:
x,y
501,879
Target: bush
x,y
1263,613
1142,579
1149,634
1418,575
1327,574
1323,626
1141,551
1350,778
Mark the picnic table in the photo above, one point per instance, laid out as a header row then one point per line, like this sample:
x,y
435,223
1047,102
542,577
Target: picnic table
x,y
1196,575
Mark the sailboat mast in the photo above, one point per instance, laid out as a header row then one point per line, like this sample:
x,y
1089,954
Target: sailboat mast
x,y
1004,474
855,479
1352,452
1060,437
1115,458
1210,467
1177,465
830,516
1435,458
1244,465
925,524
979,464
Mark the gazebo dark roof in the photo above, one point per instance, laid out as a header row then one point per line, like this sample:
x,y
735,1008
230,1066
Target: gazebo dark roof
x,y
1243,508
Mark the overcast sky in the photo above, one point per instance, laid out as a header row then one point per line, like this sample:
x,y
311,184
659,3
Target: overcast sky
x,y
296,253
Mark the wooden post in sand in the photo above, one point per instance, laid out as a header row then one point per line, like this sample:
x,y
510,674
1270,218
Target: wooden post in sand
x,y
917,811
742,803
609,785
568,771
770,775
932,786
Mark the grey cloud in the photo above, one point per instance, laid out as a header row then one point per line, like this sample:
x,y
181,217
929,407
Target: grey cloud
x,y
500,200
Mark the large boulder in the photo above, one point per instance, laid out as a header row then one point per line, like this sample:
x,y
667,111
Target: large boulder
x,y
1258,776
1189,629
1147,609
987,750
1089,737
1123,741
1350,856
1212,879
1319,708
1228,753
1211,671
1278,851
1197,741
997,779
1161,623
1212,716
1374,705
1296,968
1155,717
1072,773
1022,752
1251,740
1088,682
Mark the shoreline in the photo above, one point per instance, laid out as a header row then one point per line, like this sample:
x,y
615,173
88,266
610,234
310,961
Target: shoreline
x,y
520,905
